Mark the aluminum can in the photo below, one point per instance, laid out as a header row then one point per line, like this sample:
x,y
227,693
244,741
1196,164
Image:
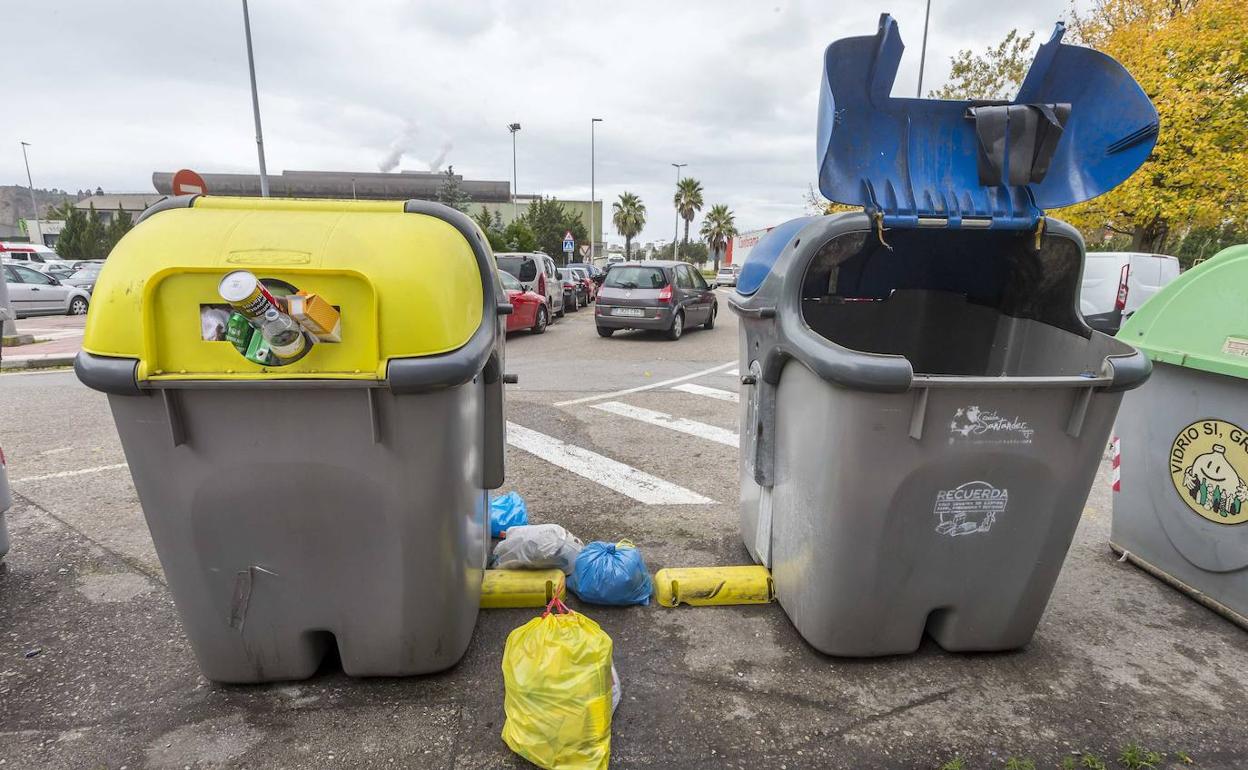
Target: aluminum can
x,y
247,295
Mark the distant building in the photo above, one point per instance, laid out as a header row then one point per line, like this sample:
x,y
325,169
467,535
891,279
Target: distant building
x,y
367,185
44,231
375,185
107,204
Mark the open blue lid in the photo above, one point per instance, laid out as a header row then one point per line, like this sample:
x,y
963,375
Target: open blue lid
x,y
1079,126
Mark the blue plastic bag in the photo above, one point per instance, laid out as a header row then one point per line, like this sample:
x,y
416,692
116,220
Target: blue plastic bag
x,y
611,573
507,511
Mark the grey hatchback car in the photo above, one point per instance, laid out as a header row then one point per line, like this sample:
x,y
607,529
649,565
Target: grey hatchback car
x,y
663,296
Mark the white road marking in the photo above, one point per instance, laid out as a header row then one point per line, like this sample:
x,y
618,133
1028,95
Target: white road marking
x,y
702,390
66,474
733,373
640,388
57,451
613,475
691,427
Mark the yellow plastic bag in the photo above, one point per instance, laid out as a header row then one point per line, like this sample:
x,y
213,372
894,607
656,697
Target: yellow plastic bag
x,y
557,673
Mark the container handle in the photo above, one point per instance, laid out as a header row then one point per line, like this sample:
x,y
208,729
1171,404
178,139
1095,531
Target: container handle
x,y
495,438
1127,371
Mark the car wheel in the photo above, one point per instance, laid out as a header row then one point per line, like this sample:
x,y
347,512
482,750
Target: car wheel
x,y
575,307
710,320
562,311
542,321
678,326
605,332
77,306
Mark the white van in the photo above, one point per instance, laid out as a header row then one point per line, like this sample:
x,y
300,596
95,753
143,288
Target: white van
x,y
1117,283
538,274
30,254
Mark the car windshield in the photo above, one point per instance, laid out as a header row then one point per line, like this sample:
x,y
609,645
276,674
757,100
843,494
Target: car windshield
x,y
635,278
725,270
510,282
91,271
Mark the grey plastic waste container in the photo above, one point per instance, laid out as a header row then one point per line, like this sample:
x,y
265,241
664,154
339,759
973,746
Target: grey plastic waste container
x,y
924,408
1181,503
339,499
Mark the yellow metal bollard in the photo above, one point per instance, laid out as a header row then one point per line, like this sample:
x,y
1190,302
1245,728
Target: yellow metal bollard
x,y
713,586
505,588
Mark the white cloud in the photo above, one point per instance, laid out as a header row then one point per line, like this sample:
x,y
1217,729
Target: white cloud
x,y
728,87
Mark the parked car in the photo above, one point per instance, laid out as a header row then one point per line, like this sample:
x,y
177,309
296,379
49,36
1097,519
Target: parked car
x,y
615,259
727,275
596,274
573,290
34,293
537,272
528,308
591,288
59,271
6,502
84,278
27,253
666,296
1117,283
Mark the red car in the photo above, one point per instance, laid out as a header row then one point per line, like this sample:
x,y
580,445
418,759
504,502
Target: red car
x,y
591,288
529,309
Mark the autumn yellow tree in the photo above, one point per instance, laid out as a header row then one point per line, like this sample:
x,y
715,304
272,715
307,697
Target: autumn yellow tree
x,y
1191,58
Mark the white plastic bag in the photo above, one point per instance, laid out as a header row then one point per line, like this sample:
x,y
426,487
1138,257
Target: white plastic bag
x,y
538,546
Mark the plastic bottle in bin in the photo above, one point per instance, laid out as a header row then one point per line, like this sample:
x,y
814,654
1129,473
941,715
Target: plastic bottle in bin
x,y
285,337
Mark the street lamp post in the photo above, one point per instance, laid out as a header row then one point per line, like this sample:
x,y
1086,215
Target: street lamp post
x,y
513,128
676,236
593,248
923,52
255,103
34,207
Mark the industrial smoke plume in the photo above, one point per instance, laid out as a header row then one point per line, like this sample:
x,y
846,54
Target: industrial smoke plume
x,y
404,144
401,145
435,165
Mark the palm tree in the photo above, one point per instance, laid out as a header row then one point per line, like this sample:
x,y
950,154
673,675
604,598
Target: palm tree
x,y
629,217
688,201
717,228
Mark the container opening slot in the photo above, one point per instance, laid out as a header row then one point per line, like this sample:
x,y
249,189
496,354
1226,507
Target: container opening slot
x,y
955,303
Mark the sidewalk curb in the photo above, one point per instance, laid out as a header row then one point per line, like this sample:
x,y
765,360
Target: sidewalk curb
x,y
41,362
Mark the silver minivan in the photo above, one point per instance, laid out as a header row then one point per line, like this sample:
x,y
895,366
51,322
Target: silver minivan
x,y
538,274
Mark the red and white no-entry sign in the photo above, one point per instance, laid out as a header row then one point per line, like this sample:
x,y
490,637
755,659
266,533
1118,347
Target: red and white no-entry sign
x,y
187,182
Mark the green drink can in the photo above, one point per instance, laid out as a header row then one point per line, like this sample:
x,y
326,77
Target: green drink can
x,y
258,351
238,332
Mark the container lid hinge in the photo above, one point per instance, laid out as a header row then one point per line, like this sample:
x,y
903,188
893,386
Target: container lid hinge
x,y
878,217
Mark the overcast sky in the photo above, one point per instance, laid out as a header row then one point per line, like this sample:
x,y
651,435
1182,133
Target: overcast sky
x,y
108,92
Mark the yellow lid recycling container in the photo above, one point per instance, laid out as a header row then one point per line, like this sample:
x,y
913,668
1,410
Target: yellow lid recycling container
x,y
313,439
406,285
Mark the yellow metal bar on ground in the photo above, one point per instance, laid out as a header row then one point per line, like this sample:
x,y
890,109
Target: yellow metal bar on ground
x,y
505,588
713,586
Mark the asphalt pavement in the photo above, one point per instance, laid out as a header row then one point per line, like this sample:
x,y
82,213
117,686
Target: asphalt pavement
x,y
629,437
